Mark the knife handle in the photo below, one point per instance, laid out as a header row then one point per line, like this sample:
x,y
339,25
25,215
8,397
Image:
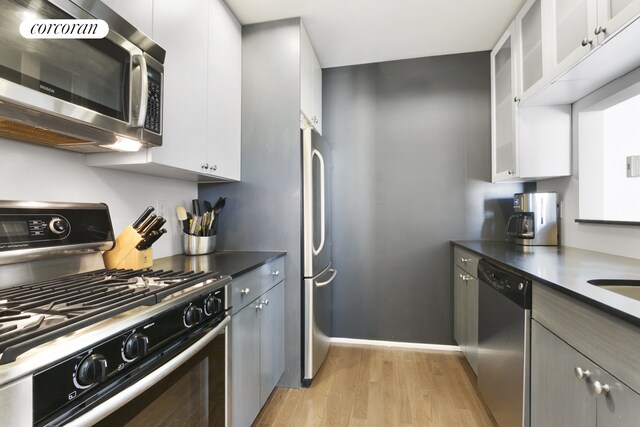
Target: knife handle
x,y
153,225
142,217
146,223
150,240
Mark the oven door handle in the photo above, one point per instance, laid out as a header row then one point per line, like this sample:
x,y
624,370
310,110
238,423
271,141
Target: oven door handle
x,y
122,398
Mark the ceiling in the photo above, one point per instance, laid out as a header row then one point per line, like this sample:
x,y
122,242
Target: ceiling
x,y
348,32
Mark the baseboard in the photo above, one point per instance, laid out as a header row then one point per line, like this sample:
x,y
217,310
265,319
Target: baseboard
x,y
409,345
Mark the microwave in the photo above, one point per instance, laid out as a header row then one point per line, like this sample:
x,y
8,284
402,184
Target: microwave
x,y
86,95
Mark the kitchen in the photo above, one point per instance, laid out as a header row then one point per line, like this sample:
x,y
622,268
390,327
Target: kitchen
x,y
410,130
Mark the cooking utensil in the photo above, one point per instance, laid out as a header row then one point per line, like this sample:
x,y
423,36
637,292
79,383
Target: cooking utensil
x,y
195,204
146,223
206,222
217,208
156,224
182,217
138,222
195,225
208,207
211,223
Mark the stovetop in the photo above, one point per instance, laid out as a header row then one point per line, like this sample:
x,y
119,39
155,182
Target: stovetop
x,y
36,313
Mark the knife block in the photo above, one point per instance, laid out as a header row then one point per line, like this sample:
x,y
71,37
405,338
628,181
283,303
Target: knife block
x,y
125,255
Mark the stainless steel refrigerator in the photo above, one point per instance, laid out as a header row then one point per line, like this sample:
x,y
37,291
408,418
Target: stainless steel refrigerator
x,y
318,272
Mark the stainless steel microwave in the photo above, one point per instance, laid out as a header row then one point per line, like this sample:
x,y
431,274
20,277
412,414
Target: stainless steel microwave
x,y
86,95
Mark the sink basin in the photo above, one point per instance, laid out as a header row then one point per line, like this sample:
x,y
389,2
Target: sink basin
x,y
626,287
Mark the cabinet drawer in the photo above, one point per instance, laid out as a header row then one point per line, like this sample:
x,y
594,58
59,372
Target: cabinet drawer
x,y
468,261
251,285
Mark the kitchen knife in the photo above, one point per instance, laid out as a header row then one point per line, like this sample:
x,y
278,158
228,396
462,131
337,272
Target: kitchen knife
x,y
143,217
155,225
151,239
146,223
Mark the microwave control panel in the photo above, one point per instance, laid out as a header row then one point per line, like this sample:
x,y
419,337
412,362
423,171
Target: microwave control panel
x,y
154,102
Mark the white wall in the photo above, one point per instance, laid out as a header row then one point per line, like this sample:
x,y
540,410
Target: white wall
x,y
33,172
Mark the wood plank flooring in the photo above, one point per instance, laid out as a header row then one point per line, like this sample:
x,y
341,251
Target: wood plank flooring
x,y
372,386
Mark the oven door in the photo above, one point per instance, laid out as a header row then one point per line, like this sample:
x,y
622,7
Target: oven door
x,y
191,388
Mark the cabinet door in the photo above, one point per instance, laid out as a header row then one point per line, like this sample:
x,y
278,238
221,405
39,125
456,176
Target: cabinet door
x,y
181,28
271,340
503,108
224,92
572,26
460,308
245,366
613,14
531,59
472,323
138,13
618,407
317,93
558,397
306,75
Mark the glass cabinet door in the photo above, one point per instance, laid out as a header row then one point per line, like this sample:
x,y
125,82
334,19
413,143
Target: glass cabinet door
x,y
503,108
529,25
574,22
613,14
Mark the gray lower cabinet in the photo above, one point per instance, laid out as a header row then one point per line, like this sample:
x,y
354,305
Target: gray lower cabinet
x,y
257,352
568,389
465,305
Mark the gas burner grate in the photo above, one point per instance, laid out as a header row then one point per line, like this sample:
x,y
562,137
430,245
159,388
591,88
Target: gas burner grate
x,y
34,313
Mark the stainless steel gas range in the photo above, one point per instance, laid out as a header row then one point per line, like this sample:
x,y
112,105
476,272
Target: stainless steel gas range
x,y
84,345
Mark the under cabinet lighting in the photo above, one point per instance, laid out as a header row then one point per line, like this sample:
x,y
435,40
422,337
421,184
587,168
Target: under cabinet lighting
x,y
124,144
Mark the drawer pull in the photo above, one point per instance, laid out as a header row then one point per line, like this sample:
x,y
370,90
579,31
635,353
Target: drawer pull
x,y
600,388
275,273
465,260
465,277
245,291
582,374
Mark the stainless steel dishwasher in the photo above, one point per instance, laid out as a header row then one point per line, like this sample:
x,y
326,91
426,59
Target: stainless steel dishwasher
x,y
504,337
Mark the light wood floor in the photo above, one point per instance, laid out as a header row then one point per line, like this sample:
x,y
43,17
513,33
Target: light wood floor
x,y
370,386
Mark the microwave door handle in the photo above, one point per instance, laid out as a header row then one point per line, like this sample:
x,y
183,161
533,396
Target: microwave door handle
x,y
137,120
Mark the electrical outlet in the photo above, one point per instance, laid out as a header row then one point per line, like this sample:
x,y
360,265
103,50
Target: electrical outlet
x,y
161,208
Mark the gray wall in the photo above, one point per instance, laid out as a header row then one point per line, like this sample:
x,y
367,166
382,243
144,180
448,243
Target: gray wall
x,y
411,154
263,212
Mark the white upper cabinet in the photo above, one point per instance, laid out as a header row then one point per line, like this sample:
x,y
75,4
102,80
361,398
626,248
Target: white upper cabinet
x,y
533,58
504,108
310,83
224,93
527,143
613,15
201,92
571,26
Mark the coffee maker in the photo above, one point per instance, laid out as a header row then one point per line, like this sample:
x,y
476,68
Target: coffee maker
x,y
535,219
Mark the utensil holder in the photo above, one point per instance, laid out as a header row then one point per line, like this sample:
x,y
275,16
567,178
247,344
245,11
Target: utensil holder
x,y
198,245
125,255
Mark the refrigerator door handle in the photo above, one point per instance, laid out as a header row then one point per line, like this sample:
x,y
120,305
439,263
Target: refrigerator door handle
x,y
316,251
334,273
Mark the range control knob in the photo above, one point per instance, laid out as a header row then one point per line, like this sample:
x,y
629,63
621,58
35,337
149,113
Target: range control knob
x,y
212,305
58,226
136,346
92,370
192,315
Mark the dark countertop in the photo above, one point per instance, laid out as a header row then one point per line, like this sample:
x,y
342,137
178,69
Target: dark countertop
x,y
232,263
567,270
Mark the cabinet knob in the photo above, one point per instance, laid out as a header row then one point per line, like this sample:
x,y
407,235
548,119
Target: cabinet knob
x,y
510,172
516,99
585,41
265,302
582,374
245,291
259,306
214,167
600,29
465,260
465,277
205,166
600,388
275,273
